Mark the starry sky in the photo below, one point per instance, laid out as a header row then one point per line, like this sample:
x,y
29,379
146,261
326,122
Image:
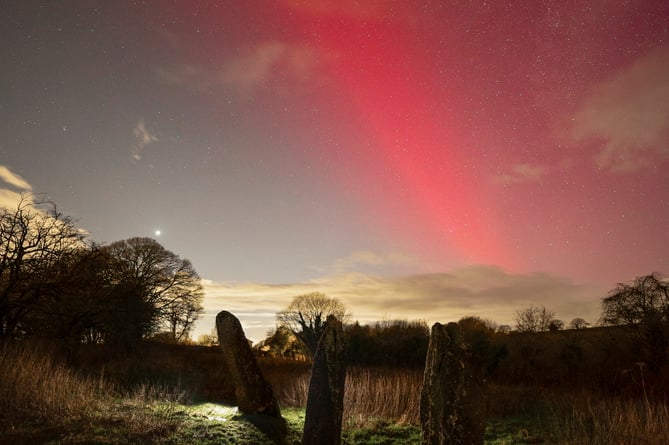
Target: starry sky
x,y
416,159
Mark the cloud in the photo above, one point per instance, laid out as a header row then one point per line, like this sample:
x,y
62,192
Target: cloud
x,y
629,113
257,65
271,62
366,259
521,173
15,190
486,291
12,187
9,198
143,138
13,179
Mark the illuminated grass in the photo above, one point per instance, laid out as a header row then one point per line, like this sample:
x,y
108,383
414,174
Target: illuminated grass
x,y
219,424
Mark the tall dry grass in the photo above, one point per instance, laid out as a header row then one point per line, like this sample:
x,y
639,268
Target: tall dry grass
x,y
289,380
585,420
388,394
35,386
392,395
372,394
41,397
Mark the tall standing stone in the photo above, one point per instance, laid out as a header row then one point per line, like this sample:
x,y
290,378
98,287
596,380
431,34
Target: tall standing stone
x,y
254,395
325,401
451,402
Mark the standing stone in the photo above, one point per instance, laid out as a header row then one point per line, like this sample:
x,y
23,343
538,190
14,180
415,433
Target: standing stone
x,y
325,401
451,402
254,395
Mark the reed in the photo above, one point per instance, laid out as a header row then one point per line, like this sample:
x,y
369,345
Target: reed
x,y
372,394
42,398
36,386
584,419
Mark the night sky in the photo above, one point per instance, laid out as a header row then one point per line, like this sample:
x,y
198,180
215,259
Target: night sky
x,y
417,159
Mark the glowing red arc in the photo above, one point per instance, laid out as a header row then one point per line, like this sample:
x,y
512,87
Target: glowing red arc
x,y
393,93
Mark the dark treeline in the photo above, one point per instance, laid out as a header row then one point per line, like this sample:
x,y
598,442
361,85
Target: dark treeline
x,y
605,358
55,284
396,343
629,346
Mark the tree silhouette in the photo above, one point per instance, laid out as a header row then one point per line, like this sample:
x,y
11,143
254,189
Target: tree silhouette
x,y
54,284
534,319
306,315
646,298
644,306
34,237
154,289
75,299
578,323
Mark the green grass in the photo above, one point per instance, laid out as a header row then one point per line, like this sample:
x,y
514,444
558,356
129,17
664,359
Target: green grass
x,y
219,424
383,433
516,430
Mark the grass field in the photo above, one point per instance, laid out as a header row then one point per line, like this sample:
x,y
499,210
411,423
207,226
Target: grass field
x,y
44,401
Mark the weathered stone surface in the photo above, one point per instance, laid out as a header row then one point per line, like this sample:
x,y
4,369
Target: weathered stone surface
x,y
253,393
451,403
325,401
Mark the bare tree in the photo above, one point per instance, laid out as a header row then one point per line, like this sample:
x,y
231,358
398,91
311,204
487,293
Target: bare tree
x,y
306,315
34,237
181,315
158,289
534,319
642,305
645,298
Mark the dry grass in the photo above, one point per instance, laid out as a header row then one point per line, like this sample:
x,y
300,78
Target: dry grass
x,y
390,395
386,394
42,399
372,394
289,380
582,419
35,386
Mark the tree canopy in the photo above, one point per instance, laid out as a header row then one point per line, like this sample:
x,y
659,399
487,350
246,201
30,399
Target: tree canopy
x,y
646,298
643,305
160,290
536,319
55,283
306,315
34,237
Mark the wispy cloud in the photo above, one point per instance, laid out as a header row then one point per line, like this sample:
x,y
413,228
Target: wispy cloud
x,y
368,260
629,113
485,291
143,138
272,62
520,173
16,181
12,186
9,198
259,63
